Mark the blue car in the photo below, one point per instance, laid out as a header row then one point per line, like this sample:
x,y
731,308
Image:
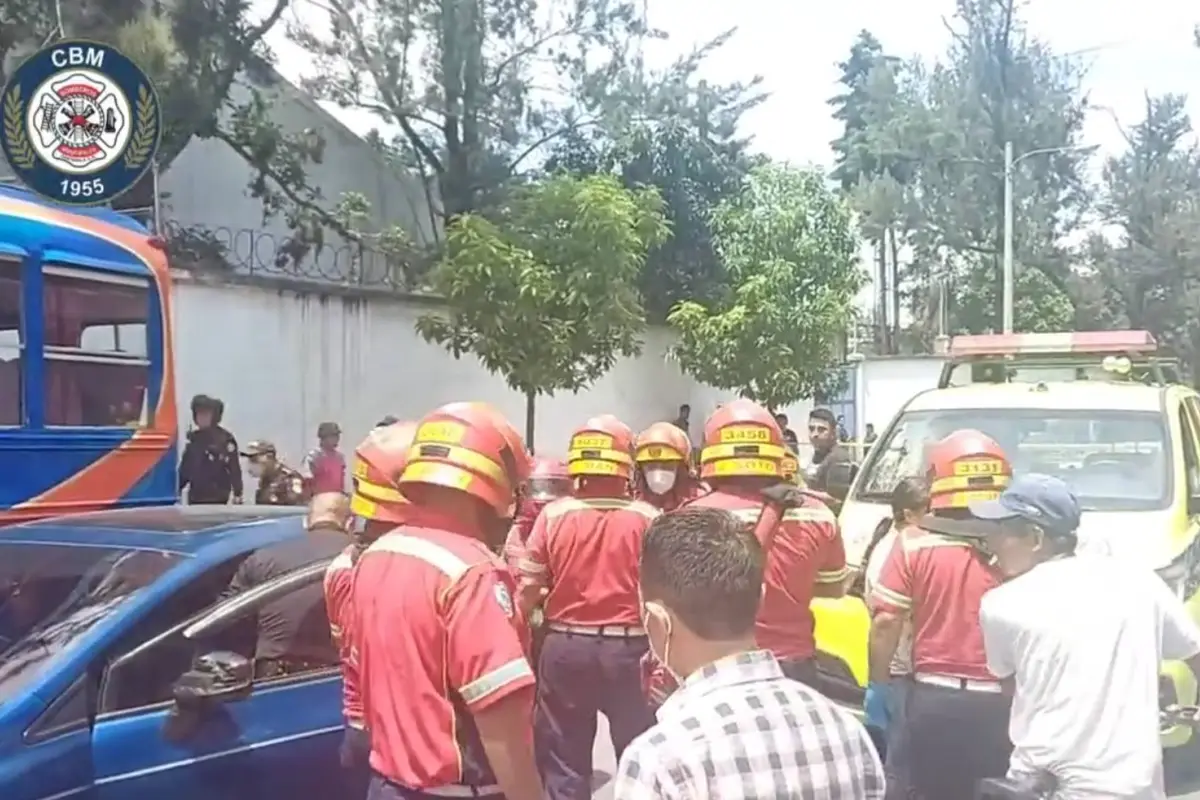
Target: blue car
x,y
120,674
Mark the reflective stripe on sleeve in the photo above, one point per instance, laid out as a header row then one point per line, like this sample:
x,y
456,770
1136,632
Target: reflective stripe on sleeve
x,y
480,688
888,597
432,554
833,575
821,514
568,504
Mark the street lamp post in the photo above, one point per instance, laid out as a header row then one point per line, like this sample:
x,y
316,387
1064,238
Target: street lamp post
x,y
1010,164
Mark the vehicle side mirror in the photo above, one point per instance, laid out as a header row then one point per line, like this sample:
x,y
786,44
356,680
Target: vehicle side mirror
x,y
839,478
216,677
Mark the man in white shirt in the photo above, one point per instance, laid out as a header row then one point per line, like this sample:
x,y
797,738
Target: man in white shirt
x,y
1082,637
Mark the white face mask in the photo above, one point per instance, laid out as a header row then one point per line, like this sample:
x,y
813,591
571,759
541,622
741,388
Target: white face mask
x,y
660,481
255,469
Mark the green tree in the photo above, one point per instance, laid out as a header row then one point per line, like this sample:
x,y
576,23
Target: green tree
x,y
545,293
873,169
790,248
466,84
995,84
1145,273
693,171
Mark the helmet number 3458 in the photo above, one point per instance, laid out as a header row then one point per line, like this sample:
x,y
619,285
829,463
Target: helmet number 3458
x,y
81,122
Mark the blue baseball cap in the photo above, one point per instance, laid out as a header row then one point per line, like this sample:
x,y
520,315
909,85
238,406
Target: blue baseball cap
x,y
1044,500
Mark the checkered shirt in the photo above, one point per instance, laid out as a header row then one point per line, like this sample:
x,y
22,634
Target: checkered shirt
x,y
739,729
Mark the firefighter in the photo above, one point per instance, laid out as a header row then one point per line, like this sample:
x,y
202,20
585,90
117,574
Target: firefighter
x,y
954,730
378,507
580,564
663,477
278,484
789,469
548,481
447,689
743,454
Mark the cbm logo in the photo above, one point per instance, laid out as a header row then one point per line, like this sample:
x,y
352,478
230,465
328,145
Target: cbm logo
x,y
81,122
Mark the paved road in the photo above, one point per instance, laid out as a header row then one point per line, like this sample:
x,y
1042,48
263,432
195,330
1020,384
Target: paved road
x,y
604,762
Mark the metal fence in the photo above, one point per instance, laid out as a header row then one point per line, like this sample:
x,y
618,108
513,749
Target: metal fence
x,y
251,252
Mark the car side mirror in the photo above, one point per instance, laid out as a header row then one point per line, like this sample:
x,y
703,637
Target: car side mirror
x,y
839,478
215,677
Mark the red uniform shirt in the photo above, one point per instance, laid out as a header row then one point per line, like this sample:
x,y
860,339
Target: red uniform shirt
x,y
939,582
437,633
585,552
325,471
338,583
807,550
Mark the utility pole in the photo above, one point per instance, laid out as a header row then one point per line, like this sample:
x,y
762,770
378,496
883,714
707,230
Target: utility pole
x,y
1007,277
1010,165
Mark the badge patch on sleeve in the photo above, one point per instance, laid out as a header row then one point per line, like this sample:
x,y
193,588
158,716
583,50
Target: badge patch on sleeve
x,y
504,599
232,447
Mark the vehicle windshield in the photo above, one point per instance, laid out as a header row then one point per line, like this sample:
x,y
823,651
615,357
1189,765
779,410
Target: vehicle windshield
x,y
51,595
1113,460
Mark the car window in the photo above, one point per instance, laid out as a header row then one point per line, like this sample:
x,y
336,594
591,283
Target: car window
x,y
1191,459
1113,460
53,595
144,677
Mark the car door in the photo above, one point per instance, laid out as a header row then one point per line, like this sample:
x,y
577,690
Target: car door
x,y
279,741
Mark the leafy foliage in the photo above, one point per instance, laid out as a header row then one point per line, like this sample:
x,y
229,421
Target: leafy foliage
x,y
947,123
693,172
1145,273
791,251
545,293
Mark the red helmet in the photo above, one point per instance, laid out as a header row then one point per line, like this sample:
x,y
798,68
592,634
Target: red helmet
x,y
602,446
378,461
662,441
549,479
472,448
965,467
742,438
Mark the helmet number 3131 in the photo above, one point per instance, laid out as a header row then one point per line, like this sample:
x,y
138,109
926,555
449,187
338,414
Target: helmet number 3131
x,y
81,122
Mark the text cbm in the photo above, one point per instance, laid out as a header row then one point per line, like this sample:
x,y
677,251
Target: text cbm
x,y
76,56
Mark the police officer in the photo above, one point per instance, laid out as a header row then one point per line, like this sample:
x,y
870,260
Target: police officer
x,y
447,688
664,477
743,454
581,559
209,469
548,482
289,636
378,507
278,484
954,730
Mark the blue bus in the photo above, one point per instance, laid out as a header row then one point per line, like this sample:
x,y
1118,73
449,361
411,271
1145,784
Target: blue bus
x,y
87,385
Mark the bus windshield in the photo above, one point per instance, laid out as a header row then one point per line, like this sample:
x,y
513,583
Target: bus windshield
x,y
1113,460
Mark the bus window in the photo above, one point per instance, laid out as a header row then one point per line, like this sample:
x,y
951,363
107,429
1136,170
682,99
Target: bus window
x,y
10,342
96,365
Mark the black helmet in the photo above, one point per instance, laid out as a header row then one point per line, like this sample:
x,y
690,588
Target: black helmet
x,y
213,405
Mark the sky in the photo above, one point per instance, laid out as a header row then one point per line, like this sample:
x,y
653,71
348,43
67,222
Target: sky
x,y
1132,46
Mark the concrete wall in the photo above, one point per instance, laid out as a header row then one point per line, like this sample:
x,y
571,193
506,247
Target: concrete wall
x,y
284,361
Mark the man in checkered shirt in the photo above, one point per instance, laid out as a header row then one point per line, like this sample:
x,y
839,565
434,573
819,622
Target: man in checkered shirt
x,y
736,727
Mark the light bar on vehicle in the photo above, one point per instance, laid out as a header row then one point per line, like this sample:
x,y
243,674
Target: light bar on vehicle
x,y
1016,344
